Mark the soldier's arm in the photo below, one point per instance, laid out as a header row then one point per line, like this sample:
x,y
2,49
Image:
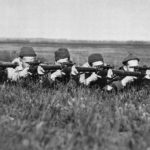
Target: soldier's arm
x,y
121,84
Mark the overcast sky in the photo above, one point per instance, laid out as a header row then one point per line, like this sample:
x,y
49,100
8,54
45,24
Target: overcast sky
x,y
76,19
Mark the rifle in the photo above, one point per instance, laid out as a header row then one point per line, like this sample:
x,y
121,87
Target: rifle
x,y
141,68
64,66
4,65
128,73
92,69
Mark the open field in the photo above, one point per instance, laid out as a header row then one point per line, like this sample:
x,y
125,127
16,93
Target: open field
x,y
112,53
72,118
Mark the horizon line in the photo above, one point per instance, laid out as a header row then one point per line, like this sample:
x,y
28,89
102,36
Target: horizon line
x,y
41,39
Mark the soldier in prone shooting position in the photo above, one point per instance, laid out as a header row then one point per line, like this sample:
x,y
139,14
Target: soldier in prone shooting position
x,y
130,63
67,68
27,55
94,78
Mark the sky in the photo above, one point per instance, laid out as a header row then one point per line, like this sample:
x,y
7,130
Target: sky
x,y
76,19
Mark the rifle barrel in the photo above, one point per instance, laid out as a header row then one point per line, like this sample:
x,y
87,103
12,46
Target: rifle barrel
x,y
33,63
92,69
7,65
50,67
86,69
141,67
128,73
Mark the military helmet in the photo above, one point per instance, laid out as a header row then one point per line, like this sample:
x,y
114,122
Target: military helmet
x,y
62,53
95,57
27,51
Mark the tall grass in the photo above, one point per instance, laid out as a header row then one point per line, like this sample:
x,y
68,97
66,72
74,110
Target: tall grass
x,y
73,118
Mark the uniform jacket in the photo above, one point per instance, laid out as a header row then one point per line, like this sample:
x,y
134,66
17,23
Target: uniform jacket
x,y
137,82
101,82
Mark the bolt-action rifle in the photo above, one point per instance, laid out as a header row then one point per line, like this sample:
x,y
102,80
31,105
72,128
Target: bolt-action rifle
x,y
66,67
3,71
141,68
4,65
63,66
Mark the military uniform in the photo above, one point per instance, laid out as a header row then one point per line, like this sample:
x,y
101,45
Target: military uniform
x,y
127,82
93,79
24,70
63,75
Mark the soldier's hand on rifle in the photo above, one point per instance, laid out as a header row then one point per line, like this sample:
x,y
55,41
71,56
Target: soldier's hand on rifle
x,y
147,74
56,74
17,61
92,78
40,70
127,79
110,73
20,65
109,88
74,71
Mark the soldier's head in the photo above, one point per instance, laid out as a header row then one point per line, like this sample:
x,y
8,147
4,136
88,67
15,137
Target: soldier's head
x,y
27,54
130,62
95,60
62,56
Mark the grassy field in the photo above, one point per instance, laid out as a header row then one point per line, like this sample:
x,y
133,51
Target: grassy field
x,y
69,118
113,54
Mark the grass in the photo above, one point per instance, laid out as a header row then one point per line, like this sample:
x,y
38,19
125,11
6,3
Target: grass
x,y
71,118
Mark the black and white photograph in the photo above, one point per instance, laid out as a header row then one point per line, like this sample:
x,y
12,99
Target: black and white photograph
x,y
74,74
